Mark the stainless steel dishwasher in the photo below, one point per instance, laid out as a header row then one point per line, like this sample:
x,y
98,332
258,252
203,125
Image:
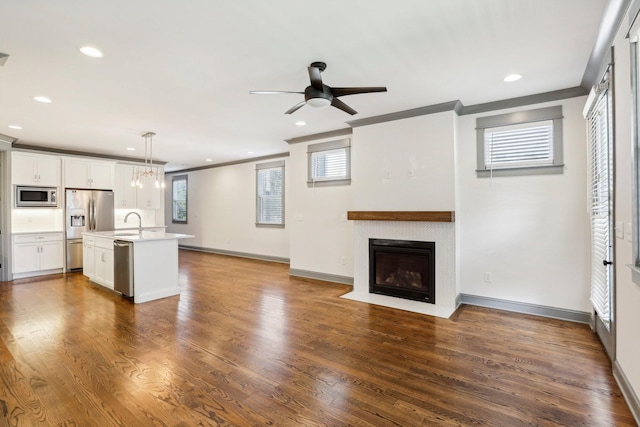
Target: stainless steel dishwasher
x,y
123,267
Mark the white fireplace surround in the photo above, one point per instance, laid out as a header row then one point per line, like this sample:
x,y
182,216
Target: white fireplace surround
x,y
442,233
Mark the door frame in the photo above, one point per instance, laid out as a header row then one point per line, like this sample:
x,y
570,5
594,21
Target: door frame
x,y
607,335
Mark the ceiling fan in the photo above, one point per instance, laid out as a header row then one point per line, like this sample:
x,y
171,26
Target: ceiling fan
x,y
320,95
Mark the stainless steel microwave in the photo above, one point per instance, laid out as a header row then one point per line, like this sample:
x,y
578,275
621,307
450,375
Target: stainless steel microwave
x,y
30,197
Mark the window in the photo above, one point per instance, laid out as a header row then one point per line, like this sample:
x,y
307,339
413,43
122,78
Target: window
x,y
179,198
520,143
329,162
270,194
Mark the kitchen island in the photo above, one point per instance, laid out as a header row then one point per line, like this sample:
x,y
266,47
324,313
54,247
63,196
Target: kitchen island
x,y
153,261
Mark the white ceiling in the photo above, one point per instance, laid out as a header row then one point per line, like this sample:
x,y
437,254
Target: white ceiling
x,y
184,69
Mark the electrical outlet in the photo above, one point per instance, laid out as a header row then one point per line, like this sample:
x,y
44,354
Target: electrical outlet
x,y
488,277
344,260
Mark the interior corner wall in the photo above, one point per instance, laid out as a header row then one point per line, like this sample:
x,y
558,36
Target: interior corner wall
x,y
321,238
221,212
531,233
405,165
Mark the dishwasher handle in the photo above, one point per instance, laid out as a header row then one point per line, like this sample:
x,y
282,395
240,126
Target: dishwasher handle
x,y
121,243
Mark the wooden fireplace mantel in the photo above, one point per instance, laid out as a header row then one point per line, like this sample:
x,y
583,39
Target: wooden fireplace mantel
x,y
430,216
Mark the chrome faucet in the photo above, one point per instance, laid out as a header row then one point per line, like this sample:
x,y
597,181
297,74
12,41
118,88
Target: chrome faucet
x,y
139,221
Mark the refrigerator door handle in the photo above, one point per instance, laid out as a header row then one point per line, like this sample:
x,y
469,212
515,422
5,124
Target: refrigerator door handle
x,y
95,221
91,214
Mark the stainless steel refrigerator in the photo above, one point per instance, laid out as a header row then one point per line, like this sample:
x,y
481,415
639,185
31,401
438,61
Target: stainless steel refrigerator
x,y
87,210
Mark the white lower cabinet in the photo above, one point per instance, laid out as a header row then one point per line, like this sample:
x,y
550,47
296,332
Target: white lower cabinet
x,y
98,260
35,254
88,257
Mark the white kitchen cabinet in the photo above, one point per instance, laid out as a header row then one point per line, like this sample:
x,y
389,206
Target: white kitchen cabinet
x,y
150,196
32,169
88,257
104,262
98,260
79,173
37,253
125,193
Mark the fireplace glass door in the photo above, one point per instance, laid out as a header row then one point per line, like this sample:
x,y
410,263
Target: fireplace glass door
x,y
401,268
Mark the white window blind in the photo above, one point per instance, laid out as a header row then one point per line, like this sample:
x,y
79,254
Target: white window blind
x,y
270,195
329,165
599,206
526,144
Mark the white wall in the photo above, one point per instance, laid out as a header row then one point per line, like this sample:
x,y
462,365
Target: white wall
x,y
405,165
222,212
321,238
530,232
627,292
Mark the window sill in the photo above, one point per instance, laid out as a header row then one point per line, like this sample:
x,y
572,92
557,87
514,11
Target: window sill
x,y
635,273
270,225
329,183
530,170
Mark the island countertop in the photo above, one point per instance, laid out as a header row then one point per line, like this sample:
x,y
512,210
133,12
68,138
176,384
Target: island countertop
x,y
134,236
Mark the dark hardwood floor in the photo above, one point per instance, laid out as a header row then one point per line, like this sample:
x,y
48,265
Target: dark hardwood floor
x,y
245,344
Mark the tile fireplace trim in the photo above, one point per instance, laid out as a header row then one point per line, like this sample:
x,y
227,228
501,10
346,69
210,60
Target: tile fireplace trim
x,y
428,216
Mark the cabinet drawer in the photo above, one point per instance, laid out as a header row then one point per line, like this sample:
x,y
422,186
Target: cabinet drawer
x,y
103,243
37,238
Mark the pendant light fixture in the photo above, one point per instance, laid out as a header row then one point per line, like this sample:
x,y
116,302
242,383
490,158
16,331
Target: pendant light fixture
x,y
148,171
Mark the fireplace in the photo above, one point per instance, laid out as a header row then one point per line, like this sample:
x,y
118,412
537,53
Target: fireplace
x,y
403,268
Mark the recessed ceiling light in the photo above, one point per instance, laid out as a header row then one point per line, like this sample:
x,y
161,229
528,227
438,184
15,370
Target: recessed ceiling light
x,y
301,123
249,152
42,99
512,78
91,51
15,127
131,149
208,160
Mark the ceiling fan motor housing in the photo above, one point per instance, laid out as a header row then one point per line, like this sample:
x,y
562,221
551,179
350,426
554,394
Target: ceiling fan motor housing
x,y
318,98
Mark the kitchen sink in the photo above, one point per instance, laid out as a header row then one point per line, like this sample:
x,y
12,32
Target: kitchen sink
x,y
126,234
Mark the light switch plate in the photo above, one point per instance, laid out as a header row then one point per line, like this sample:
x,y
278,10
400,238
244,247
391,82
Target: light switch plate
x,y
628,231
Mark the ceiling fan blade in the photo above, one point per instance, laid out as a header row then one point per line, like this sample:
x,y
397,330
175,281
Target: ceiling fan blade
x,y
341,91
295,107
271,92
315,77
342,106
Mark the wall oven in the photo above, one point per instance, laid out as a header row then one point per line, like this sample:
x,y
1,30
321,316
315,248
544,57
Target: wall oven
x,y
30,197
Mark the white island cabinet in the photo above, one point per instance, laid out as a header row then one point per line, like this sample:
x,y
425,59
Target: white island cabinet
x,y
154,262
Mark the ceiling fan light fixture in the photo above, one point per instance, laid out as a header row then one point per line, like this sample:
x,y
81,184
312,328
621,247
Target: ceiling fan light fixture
x,y
319,102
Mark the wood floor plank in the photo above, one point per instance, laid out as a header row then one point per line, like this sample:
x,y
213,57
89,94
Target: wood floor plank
x,y
245,344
